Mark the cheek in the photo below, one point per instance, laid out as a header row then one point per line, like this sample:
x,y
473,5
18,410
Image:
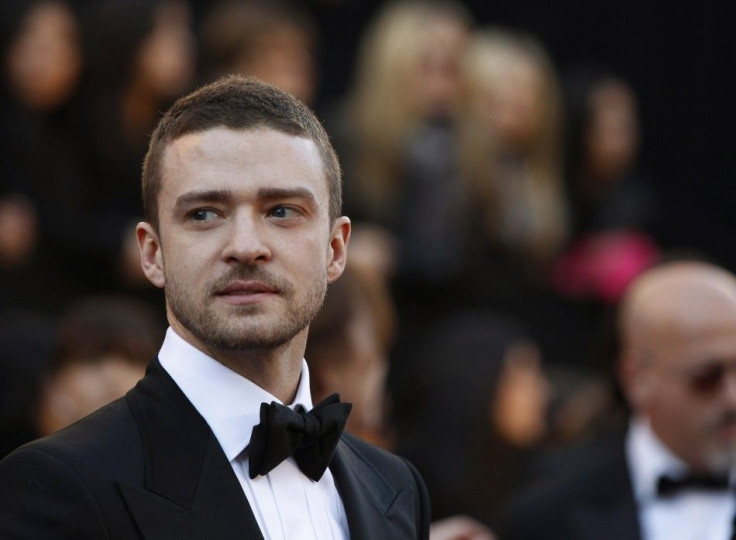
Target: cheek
x,y
184,266
309,254
681,414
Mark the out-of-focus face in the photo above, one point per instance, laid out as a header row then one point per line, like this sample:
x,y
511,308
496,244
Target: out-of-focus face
x,y
285,59
521,400
244,247
83,387
612,135
679,364
166,60
512,105
44,61
690,407
18,231
436,78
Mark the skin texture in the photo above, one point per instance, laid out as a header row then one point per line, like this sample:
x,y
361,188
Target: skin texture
x,y
245,248
677,321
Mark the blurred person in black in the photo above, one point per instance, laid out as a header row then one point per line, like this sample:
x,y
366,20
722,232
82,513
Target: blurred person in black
x,y
668,476
347,353
101,347
273,40
475,414
607,188
56,371
40,162
510,157
615,212
140,58
510,127
395,134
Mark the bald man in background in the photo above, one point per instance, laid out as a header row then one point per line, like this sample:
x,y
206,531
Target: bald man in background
x,y
672,475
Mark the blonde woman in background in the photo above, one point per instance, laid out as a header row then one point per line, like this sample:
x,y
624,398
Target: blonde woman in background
x,y
408,72
397,144
510,133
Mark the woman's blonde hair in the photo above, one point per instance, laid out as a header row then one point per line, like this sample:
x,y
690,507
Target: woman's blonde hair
x,y
490,56
383,107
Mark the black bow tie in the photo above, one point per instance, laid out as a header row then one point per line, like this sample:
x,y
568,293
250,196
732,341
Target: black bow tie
x,y
310,436
668,486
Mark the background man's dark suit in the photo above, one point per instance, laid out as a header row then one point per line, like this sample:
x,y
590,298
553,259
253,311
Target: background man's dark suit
x,y
589,498
159,473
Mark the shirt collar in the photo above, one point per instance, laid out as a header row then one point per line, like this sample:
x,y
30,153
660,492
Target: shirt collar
x,y
649,459
229,403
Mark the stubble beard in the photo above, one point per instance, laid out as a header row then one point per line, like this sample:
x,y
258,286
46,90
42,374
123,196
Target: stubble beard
x,y
721,457
239,329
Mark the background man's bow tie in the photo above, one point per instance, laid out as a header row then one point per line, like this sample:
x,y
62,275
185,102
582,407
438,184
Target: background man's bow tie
x,y
311,437
667,486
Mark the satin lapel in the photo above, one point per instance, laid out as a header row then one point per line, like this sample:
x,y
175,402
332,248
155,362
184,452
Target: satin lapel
x,y
190,489
374,508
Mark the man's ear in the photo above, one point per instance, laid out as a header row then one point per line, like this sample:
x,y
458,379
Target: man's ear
x,y
634,377
338,253
151,256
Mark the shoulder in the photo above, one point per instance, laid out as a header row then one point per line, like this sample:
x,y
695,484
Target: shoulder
x,y
61,484
110,431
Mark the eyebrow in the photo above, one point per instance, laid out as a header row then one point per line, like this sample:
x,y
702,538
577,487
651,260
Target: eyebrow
x,y
225,195
287,193
205,196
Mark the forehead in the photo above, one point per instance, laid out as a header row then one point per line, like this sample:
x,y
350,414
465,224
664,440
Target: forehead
x,y
704,341
243,159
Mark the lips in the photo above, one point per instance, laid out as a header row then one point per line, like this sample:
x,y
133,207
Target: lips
x,y
240,288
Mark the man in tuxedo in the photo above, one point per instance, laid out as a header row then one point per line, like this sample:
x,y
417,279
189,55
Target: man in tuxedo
x,y
243,231
672,474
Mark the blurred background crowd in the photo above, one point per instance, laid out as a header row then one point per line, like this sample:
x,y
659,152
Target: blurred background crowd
x,y
508,170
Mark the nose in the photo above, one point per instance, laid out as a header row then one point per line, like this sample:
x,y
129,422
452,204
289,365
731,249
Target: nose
x,y
246,241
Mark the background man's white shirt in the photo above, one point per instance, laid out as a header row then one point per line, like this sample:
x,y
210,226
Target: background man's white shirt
x,y
689,515
286,503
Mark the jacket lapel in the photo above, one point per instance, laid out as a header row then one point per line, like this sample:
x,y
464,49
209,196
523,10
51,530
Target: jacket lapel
x,y
190,490
374,509
617,521
612,514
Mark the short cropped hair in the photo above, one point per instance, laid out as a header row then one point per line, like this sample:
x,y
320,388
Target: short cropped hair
x,y
237,102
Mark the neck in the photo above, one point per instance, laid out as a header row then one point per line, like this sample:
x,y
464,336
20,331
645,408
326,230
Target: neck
x,y
277,370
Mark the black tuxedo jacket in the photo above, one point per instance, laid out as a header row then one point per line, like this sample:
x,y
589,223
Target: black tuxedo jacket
x,y
148,466
589,498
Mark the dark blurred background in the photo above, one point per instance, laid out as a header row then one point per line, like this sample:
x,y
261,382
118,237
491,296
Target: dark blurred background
x,y
679,60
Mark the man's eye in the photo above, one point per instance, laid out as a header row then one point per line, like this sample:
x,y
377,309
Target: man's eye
x,y
202,215
284,212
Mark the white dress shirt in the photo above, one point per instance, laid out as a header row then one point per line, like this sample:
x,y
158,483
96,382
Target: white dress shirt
x,y
687,515
286,503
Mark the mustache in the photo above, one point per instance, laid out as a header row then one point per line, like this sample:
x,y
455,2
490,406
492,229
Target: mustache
x,y
251,273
